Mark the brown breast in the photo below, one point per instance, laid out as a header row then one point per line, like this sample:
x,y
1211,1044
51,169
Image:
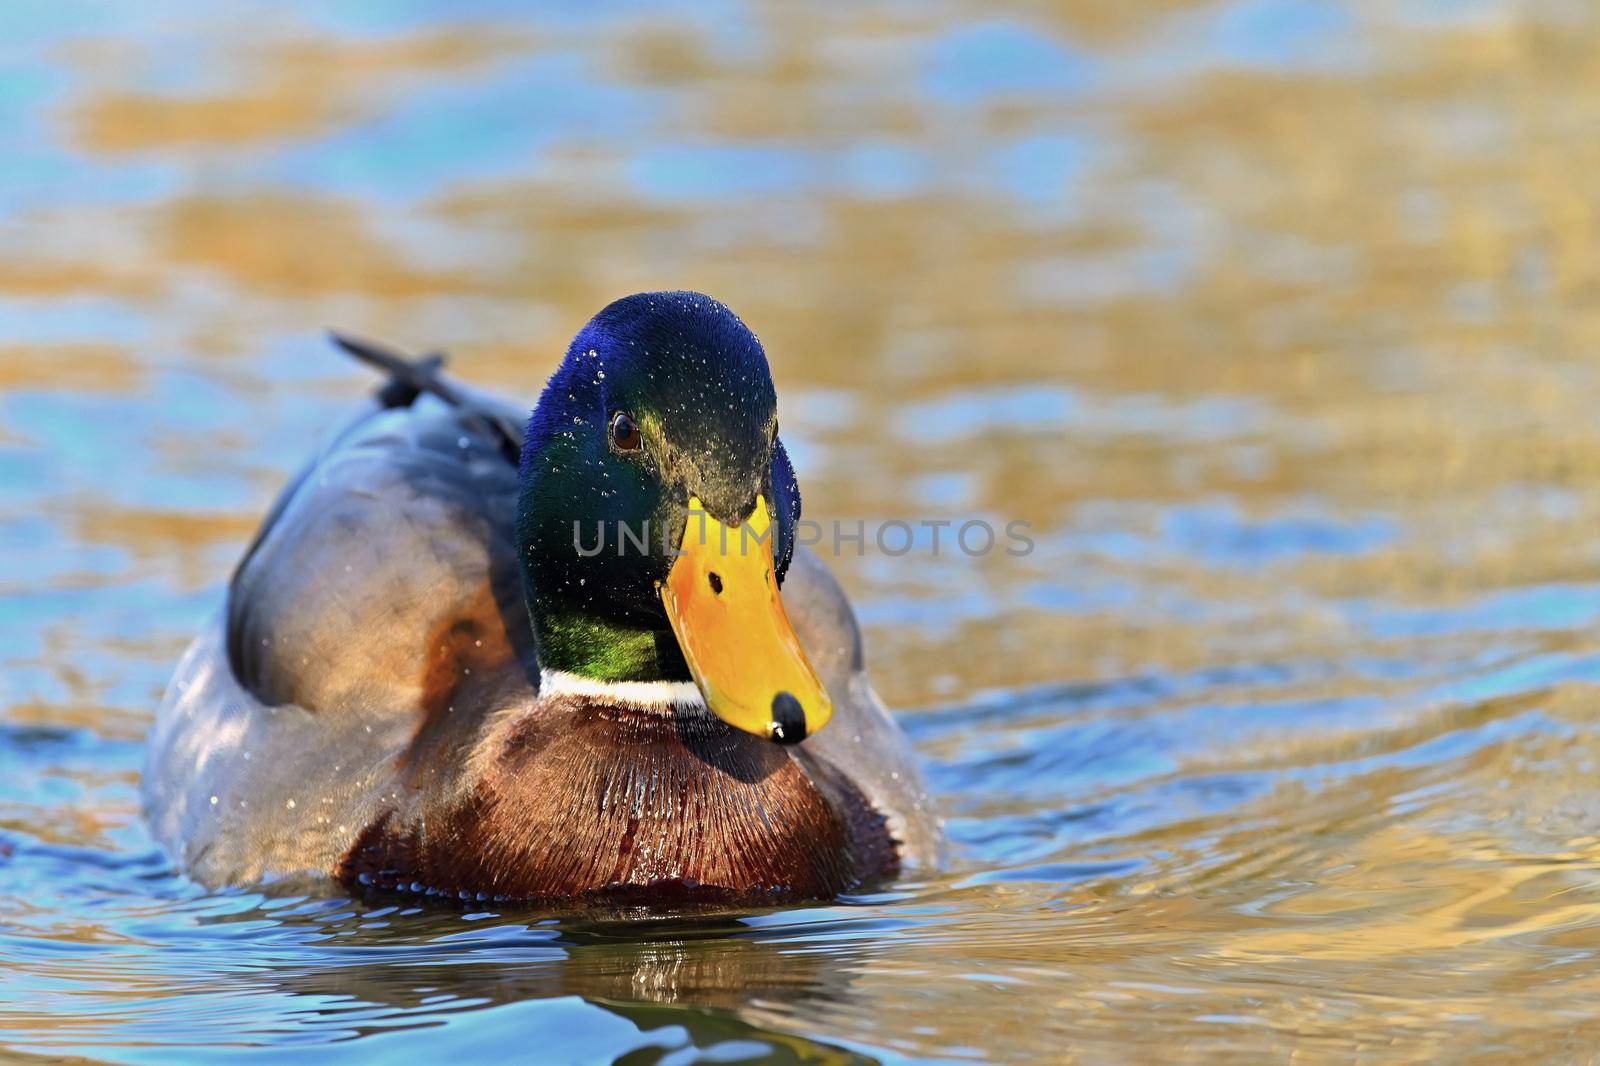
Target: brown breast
x,y
583,800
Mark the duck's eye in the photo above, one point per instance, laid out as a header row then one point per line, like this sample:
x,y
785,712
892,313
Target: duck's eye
x,y
625,433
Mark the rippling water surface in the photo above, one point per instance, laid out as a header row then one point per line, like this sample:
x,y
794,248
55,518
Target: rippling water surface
x,y
1277,319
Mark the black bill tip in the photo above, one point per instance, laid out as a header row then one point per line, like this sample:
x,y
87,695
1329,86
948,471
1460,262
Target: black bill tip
x,y
788,720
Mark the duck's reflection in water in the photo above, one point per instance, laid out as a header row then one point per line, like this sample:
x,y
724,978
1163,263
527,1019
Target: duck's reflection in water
x,y
710,974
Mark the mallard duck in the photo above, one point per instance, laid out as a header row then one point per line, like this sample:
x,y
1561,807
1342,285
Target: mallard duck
x,y
487,656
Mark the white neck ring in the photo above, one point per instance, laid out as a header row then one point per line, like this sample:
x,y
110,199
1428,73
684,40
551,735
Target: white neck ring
x,y
646,695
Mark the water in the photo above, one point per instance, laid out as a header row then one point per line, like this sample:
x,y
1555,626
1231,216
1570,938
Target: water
x,y
1276,319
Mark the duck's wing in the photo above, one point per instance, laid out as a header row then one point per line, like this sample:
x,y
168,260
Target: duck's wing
x,y
387,568
377,616
862,740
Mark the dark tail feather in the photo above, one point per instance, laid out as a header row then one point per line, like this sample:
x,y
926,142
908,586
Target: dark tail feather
x,y
409,378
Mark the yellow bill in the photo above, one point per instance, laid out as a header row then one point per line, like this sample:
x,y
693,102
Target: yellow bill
x,y
722,597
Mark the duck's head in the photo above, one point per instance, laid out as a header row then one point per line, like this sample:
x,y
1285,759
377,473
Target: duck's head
x,y
657,515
